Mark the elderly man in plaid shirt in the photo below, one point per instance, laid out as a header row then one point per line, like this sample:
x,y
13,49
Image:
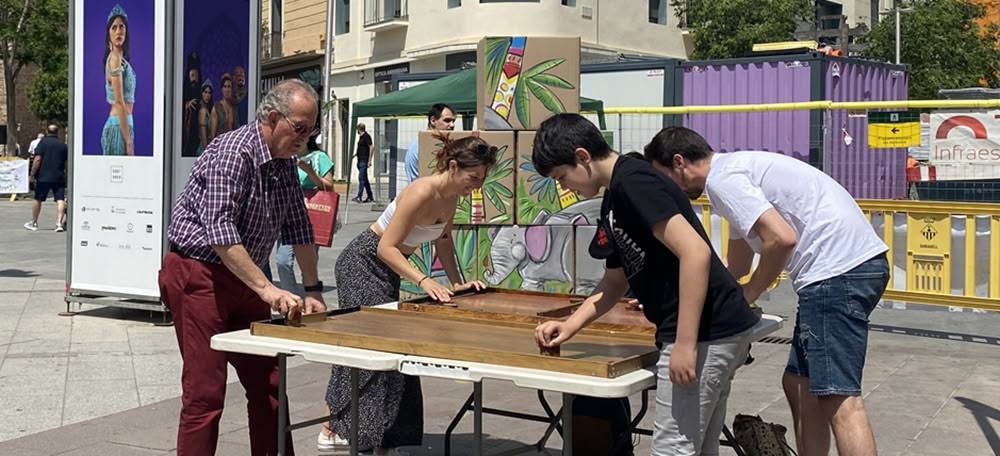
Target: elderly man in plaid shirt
x,y
243,194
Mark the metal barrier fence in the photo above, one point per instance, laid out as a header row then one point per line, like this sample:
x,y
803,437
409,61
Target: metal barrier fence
x,y
941,253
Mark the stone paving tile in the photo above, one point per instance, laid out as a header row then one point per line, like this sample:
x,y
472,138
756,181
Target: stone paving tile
x,y
100,367
26,415
112,449
86,399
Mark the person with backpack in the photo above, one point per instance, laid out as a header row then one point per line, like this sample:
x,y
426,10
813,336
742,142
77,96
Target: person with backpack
x,y
798,219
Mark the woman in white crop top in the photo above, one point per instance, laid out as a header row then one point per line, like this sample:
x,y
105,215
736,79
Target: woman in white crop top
x,y
368,273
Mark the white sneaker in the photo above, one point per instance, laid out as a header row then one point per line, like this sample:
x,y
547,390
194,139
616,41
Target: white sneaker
x,y
327,443
60,229
31,226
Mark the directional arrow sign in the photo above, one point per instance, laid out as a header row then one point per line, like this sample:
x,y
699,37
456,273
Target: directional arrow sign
x,y
892,129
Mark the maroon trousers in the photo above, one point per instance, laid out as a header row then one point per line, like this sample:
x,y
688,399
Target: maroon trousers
x,y
207,299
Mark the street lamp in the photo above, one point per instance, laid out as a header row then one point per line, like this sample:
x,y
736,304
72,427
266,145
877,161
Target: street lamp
x,y
896,8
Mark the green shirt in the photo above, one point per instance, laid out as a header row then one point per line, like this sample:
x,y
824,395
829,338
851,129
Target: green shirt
x,y
320,163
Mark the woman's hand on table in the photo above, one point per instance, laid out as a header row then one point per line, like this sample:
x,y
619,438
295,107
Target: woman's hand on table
x,y
475,284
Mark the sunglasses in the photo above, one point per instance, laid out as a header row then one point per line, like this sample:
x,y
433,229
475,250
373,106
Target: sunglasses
x,y
300,130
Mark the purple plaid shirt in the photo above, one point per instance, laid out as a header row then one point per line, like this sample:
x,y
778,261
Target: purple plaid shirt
x,y
238,194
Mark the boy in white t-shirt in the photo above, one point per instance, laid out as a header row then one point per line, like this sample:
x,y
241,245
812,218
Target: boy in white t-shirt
x,y
797,218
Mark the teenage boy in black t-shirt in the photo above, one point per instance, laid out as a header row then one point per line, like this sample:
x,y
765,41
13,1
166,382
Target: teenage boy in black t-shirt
x,y
652,240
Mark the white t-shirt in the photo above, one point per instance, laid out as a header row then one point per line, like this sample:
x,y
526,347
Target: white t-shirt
x,y
833,235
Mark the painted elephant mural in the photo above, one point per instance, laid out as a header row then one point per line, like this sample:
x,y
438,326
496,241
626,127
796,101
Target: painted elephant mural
x,y
543,251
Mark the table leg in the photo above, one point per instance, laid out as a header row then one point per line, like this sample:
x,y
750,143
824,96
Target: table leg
x,y
567,424
282,404
355,400
477,419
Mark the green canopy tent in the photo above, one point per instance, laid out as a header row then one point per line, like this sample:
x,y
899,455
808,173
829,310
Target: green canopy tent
x,y
457,90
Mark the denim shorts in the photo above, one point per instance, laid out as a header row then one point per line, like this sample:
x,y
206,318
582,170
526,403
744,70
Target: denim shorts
x,y
831,329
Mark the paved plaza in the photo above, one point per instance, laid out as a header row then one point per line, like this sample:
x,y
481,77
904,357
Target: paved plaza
x,y
106,381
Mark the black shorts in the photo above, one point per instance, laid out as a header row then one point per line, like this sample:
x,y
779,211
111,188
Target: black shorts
x,y
42,191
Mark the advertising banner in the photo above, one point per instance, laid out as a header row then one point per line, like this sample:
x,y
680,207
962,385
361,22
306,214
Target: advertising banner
x,y
216,85
965,145
118,157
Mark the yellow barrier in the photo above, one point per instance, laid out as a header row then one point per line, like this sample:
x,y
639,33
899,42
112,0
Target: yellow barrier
x,y
804,105
929,250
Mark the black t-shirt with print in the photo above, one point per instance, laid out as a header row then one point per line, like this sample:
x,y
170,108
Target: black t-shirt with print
x,y
638,198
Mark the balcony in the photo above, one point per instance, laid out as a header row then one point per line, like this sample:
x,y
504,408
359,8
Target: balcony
x,y
382,15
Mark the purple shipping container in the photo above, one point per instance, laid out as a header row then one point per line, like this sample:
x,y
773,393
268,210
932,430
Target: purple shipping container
x,y
816,137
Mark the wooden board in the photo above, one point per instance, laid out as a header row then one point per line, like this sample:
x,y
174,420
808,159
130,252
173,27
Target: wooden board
x,y
533,307
622,317
467,339
504,301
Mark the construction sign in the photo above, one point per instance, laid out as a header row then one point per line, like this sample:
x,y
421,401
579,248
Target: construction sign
x,y
893,129
965,145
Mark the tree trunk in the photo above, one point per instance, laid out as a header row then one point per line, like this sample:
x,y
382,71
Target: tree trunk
x,y
8,78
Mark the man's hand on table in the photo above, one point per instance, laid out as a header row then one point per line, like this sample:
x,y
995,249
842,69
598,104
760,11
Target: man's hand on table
x,y
314,302
282,301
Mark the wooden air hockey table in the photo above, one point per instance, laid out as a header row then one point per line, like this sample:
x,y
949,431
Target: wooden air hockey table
x,y
479,335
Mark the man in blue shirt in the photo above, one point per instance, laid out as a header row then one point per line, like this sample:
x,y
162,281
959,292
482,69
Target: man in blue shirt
x,y
440,117
48,169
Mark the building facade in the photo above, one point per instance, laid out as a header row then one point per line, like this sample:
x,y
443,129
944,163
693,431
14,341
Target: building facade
x,y
375,39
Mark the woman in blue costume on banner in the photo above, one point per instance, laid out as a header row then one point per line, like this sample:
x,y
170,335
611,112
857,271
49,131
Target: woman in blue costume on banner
x,y
117,137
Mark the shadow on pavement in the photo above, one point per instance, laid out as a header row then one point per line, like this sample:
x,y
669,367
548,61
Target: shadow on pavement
x,y
121,313
983,414
19,273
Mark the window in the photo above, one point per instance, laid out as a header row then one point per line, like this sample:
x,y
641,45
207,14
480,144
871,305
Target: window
x,y
510,1
460,61
658,11
569,2
454,3
277,21
343,17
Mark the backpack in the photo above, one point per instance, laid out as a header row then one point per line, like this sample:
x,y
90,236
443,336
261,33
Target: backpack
x,y
760,438
602,427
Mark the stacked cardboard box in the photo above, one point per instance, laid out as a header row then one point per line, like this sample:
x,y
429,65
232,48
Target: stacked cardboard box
x,y
521,230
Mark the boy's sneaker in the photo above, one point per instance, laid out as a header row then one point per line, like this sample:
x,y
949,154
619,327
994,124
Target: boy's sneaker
x,y
31,226
60,228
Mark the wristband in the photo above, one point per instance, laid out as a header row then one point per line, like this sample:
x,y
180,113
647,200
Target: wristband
x,y
317,287
421,281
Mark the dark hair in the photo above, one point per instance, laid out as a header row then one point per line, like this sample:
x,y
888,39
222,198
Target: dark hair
x,y
559,136
107,39
193,61
222,82
681,141
467,152
436,111
635,154
311,144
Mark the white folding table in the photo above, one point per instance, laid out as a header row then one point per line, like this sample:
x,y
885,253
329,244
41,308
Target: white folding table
x,y
570,385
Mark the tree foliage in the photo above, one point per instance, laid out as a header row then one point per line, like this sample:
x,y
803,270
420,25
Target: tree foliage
x,y
729,28
31,32
48,96
942,45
